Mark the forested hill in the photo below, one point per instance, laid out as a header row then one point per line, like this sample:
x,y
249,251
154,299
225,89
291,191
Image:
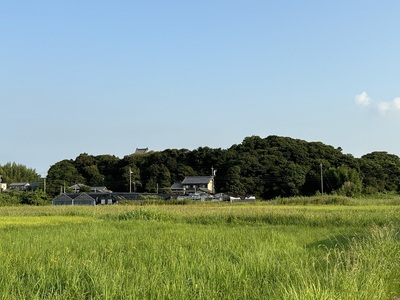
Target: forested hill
x,y
266,167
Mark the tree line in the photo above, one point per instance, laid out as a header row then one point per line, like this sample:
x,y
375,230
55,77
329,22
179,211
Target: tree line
x,y
266,167
13,172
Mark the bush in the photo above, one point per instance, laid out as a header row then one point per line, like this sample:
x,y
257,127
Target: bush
x,y
9,199
34,198
29,198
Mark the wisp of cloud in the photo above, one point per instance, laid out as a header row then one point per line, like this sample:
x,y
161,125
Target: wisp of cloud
x,y
382,107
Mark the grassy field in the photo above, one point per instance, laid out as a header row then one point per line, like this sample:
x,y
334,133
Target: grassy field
x,y
300,248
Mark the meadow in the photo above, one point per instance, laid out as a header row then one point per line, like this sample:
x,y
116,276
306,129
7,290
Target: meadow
x,y
299,248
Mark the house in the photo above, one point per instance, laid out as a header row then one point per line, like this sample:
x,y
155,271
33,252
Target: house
x,y
141,150
19,186
194,184
35,185
177,188
99,189
3,186
79,187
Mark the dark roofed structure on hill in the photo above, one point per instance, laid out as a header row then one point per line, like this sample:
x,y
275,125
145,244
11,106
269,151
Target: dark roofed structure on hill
x,y
141,150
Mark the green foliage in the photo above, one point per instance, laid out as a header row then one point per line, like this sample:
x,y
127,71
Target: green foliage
x,y
13,172
28,198
234,183
344,181
63,174
34,198
84,188
266,167
380,171
9,199
158,178
131,175
86,166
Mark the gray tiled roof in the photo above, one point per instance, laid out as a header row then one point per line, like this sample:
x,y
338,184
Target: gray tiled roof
x,y
141,150
177,185
19,184
197,180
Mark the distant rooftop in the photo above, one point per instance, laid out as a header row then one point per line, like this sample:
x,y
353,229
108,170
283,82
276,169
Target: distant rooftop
x,y
197,179
141,150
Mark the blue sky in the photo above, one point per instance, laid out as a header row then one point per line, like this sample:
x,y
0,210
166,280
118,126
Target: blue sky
x,y
106,77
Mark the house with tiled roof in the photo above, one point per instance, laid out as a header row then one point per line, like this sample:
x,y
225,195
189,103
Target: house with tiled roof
x,y
19,186
195,184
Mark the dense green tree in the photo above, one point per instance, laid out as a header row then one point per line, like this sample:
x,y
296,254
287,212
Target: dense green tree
x,y
181,172
86,166
131,175
380,172
83,160
13,172
343,180
34,198
234,183
93,176
10,198
204,158
109,166
158,179
27,198
62,175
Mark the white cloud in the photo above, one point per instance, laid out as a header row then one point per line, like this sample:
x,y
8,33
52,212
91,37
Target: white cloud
x,y
382,107
362,99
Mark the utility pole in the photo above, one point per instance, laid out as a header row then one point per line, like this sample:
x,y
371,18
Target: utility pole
x,y
130,180
44,182
213,172
322,180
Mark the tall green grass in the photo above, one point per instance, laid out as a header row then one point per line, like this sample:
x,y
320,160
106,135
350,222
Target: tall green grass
x,y
200,252
381,199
